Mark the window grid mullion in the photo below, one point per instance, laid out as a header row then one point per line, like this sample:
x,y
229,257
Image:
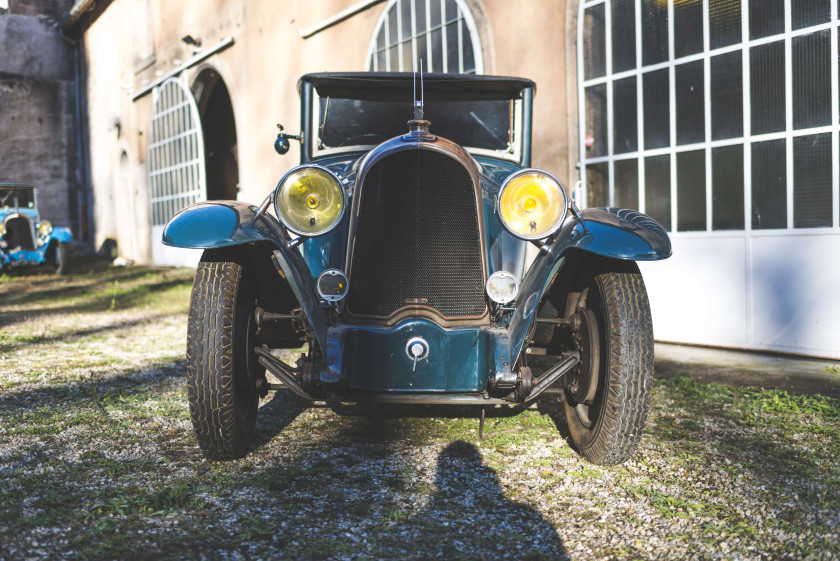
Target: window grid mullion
x,y
747,123
788,113
460,41
583,191
443,40
610,104
707,115
428,7
640,108
672,108
835,118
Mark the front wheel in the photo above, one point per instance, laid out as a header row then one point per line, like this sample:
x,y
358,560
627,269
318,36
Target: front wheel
x,y
607,404
222,369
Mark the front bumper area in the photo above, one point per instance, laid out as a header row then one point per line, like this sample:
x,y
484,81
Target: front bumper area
x,y
364,357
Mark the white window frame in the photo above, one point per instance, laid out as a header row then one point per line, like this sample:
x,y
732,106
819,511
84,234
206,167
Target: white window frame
x,y
746,140
176,152
464,14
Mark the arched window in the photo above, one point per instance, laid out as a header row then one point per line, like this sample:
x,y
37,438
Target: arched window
x,y
440,32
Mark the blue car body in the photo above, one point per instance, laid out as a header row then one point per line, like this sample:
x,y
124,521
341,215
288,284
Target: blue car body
x,y
26,239
359,357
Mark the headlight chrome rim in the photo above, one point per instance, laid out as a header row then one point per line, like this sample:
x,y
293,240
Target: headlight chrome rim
x,y
333,297
558,223
502,275
283,219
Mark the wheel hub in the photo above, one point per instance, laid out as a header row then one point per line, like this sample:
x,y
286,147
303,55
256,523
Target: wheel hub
x,y
585,384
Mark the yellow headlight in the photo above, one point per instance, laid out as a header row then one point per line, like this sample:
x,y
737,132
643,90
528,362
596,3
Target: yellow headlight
x,y
310,200
532,204
2,229
44,228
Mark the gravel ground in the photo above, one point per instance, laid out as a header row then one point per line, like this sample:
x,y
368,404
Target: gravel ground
x,y
98,459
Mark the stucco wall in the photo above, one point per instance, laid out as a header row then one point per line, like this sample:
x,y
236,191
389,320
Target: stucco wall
x,y
261,71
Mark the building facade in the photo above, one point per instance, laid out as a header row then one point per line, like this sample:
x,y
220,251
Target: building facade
x,y
717,118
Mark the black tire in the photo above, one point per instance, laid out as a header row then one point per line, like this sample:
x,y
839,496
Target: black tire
x,y
222,369
606,429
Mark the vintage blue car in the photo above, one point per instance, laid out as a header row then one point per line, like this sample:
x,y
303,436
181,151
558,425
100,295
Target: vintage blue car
x,y
397,253
25,238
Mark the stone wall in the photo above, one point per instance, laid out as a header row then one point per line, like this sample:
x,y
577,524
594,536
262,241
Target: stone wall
x,y
39,139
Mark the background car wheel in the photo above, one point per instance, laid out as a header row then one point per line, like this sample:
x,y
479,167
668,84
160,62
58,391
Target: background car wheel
x,y
606,423
222,370
60,261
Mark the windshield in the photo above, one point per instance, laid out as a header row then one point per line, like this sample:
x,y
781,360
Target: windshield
x,y
17,197
486,124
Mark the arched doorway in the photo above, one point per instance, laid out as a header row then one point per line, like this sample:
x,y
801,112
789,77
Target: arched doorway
x,y
221,160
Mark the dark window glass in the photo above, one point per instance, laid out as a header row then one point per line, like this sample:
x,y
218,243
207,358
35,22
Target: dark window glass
x,y
420,16
597,185
656,104
451,48
691,115
451,10
691,191
393,37
805,13
437,50
658,189
381,63
688,27
380,39
596,121
469,57
767,17
407,58
812,204
767,87
728,187
623,35
625,122
727,96
769,180
627,183
422,57
405,17
654,31
594,43
812,80
434,8
724,23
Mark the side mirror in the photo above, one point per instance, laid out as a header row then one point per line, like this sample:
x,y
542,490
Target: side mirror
x,y
282,145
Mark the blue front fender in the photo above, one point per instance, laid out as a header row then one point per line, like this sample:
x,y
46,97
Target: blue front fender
x,y
616,233
219,224
61,234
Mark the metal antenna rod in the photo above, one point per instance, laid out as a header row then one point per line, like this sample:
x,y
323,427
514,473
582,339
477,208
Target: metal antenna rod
x,y
418,105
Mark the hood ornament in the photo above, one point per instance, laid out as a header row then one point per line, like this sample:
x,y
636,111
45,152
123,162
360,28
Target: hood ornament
x,y
418,127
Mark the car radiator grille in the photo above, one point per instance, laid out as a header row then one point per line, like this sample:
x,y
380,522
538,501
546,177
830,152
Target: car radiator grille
x,y
417,239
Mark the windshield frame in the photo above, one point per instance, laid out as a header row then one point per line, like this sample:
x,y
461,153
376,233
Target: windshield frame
x,y
512,153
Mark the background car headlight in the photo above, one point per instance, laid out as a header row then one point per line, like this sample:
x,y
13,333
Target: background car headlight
x,y
44,228
2,229
310,200
532,204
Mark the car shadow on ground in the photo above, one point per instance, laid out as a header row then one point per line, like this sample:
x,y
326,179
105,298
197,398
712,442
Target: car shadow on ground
x,y
366,483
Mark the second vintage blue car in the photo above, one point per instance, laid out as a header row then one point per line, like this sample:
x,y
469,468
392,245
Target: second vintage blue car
x,y
396,252
27,239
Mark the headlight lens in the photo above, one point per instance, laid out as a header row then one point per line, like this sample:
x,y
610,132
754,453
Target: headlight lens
x,y
44,228
310,200
2,229
532,204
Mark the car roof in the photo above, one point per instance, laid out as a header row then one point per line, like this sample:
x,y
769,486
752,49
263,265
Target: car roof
x,y
393,86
